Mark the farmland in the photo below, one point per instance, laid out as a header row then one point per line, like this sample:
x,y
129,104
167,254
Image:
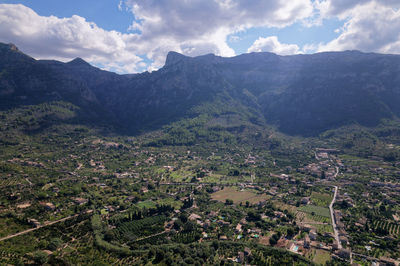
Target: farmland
x,y
385,226
139,215
321,257
315,210
238,196
321,199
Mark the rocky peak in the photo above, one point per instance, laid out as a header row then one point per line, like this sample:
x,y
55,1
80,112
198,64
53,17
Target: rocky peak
x,y
174,57
13,47
78,62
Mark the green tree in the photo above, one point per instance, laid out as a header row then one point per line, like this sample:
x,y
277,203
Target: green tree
x,y
40,257
228,202
54,243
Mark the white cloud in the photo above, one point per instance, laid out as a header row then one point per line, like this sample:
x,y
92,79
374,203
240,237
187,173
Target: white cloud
x,y
191,27
345,8
65,38
272,44
202,26
310,48
371,27
198,27
234,38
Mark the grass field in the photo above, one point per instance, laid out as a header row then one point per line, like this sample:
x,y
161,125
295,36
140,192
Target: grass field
x,y
323,228
147,204
321,199
282,206
238,196
316,210
170,201
321,256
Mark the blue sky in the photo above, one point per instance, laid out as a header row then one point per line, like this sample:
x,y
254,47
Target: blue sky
x,y
135,35
105,13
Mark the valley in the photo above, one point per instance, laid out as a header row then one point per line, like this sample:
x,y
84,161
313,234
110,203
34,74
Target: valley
x,y
206,161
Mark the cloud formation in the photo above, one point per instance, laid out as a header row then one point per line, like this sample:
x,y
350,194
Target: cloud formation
x,y
272,44
198,27
191,27
371,27
345,8
65,38
202,26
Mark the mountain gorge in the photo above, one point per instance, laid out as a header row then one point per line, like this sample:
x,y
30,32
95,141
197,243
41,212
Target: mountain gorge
x,y
299,95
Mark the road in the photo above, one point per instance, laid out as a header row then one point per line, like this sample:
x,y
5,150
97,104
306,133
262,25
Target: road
x,y
145,237
27,180
41,226
336,233
337,172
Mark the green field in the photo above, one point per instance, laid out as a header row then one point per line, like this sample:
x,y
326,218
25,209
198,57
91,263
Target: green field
x,y
316,210
323,228
321,257
321,199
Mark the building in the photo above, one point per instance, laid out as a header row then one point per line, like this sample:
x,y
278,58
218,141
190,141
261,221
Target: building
x,y
238,228
312,234
80,201
344,253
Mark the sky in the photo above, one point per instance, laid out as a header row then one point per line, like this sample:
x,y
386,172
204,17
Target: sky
x,y
131,36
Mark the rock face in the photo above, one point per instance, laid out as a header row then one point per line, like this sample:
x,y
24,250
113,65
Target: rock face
x,y
300,94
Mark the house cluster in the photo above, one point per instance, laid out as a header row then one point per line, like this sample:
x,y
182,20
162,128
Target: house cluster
x,y
242,256
47,205
389,185
389,190
322,169
343,238
345,198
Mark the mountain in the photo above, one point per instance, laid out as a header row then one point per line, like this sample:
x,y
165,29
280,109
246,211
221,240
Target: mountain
x,y
299,94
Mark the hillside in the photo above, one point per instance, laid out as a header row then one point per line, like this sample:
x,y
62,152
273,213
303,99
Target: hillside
x,y
300,95
207,161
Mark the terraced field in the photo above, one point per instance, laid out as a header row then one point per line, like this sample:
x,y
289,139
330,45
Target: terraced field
x,y
392,228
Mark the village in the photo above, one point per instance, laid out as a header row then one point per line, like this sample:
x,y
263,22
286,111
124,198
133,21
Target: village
x,y
315,210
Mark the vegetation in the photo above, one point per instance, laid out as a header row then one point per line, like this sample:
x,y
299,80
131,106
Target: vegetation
x,y
201,176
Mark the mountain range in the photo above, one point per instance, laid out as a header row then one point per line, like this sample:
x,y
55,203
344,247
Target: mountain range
x,y
298,94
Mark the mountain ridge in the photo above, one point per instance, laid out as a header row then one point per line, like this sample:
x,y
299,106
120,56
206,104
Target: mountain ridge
x,y
299,94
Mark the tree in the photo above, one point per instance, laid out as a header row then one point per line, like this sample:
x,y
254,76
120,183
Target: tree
x,y
54,244
252,216
160,255
188,226
215,244
183,217
323,175
109,236
273,239
290,232
228,202
40,257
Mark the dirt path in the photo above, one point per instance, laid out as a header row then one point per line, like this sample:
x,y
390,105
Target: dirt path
x,y
163,232
41,226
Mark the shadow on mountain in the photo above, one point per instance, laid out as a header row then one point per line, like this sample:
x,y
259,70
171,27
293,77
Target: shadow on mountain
x,y
300,95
